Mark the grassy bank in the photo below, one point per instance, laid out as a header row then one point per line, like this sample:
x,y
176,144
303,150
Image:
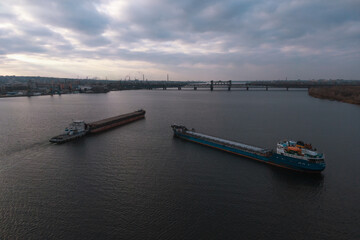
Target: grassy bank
x,y
348,94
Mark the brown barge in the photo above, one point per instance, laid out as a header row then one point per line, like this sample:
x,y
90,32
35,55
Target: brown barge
x,y
112,122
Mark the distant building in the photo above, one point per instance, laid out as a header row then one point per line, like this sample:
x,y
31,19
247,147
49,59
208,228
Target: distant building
x,y
84,88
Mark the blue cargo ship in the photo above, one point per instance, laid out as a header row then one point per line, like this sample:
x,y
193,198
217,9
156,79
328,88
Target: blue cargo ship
x,y
289,154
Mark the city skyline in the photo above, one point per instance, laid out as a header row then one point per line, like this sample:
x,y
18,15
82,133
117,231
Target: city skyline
x,y
189,40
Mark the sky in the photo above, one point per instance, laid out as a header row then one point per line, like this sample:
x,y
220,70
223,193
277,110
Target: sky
x,y
187,39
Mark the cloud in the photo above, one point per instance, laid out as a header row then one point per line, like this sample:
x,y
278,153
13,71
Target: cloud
x,y
80,16
225,36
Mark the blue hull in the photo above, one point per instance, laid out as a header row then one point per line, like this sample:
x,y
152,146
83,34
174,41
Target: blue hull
x,y
273,159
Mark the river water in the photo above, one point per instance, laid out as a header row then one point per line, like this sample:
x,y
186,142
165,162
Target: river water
x,y
139,182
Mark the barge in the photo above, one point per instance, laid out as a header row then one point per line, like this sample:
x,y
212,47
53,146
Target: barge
x,y
112,122
288,154
78,129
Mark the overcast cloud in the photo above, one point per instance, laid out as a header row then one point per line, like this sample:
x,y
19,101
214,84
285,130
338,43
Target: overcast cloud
x,y
190,40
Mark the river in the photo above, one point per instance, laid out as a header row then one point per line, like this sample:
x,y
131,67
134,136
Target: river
x,y
139,182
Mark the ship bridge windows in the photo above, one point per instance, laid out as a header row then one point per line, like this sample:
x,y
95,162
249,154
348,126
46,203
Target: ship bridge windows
x,y
313,160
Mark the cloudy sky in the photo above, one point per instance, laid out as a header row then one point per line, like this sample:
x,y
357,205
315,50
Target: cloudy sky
x,y
188,39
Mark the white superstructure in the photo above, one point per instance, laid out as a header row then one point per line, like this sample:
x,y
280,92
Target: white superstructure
x,y
77,126
299,150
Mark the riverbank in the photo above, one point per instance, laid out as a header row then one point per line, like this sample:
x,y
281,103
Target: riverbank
x,y
348,94
48,94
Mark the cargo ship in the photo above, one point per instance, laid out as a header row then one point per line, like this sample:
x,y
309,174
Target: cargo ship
x,y
294,155
79,128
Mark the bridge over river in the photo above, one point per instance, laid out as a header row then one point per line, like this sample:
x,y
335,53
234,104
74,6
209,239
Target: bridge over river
x,y
247,85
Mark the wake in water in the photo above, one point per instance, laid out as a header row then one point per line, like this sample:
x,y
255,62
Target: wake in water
x,y
20,155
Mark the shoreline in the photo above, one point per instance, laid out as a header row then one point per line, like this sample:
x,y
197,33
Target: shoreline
x,y
12,96
346,94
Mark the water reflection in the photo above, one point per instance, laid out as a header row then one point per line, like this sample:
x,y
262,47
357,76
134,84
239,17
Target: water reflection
x,y
281,175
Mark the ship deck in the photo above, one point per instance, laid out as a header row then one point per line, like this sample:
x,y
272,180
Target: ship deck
x,y
106,120
241,146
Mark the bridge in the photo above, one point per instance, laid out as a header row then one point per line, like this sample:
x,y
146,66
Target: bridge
x,y
229,84
247,85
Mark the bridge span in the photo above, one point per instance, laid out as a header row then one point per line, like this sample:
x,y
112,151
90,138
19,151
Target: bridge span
x,y
265,85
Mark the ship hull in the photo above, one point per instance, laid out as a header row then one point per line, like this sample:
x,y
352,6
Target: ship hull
x,y
273,159
63,138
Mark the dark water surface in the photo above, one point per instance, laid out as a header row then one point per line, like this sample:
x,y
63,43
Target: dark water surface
x,y
138,182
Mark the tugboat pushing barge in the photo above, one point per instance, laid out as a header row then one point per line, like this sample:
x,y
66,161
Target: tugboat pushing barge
x,y
79,129
76,129
289,154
